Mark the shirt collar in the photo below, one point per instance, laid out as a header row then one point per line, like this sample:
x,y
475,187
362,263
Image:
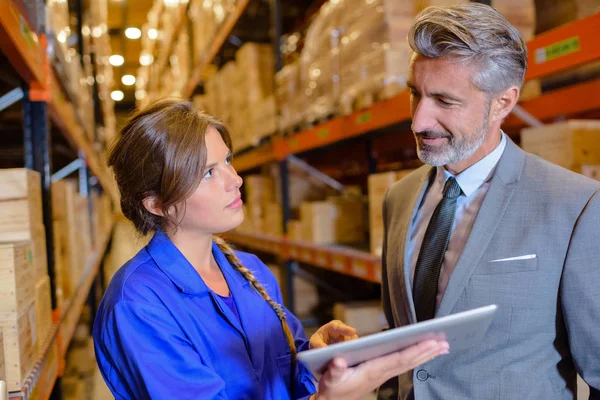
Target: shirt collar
x,y
178,269
477,174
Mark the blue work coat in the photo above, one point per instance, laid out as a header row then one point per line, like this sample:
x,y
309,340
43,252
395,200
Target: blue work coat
x,y
161,333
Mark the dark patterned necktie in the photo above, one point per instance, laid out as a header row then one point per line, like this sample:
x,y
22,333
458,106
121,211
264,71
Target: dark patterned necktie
x,y
431,255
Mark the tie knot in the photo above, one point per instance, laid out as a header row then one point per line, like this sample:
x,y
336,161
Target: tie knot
x,y
452,189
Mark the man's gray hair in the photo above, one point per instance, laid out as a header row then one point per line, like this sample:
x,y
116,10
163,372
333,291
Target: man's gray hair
x,y
477,34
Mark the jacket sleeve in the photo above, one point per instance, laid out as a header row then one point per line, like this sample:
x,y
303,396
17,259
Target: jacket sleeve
x,y
149,357
579,295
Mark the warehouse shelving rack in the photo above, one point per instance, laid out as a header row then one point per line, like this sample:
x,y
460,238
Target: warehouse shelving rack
x,y
557,50
43,102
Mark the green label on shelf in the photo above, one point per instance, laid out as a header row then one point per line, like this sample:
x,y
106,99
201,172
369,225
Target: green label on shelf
x,y
559,49
30,256
294,143
26,32
323,133
364,118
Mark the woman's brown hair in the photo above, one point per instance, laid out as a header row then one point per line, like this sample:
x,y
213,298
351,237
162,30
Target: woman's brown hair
x,y
161,153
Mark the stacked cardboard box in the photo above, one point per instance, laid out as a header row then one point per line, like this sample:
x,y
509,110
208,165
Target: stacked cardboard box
x,y
378,186
289,96
2,362
569,144
253,86
365,316
72,234
262,214
317,220
264,119
373,53
181,63
339,219
43,309
306,296
350,225
319,64
17,311
591,171
126,242
17,286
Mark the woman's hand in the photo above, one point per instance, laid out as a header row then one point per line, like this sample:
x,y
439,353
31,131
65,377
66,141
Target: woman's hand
x,y
340,382
330,333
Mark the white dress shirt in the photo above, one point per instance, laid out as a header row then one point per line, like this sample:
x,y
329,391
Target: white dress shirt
x,y
474,182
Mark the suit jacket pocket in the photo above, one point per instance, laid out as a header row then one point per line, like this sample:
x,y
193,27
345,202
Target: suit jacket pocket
x,y
506,267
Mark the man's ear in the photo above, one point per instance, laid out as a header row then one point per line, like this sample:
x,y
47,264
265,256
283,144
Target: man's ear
x,y
152,204
503,103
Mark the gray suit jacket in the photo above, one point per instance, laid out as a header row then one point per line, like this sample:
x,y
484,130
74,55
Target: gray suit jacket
x,y
548,323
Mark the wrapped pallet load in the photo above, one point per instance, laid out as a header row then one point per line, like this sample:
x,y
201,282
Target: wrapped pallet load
x,y
373,52
319,69
253,93
290,97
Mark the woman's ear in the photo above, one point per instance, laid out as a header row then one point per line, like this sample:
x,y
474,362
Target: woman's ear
x,y
152,204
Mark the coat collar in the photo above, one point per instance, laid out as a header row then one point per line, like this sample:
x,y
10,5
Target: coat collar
x,y
179,270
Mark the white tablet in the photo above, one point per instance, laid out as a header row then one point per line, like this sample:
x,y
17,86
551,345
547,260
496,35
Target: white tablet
x,y
461,331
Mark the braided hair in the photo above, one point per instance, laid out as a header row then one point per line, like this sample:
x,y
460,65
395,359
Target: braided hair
x,y
246,273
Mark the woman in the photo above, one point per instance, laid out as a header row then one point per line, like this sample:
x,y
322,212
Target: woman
x,y
188,317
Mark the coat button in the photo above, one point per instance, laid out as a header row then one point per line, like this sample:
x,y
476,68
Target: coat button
x,y
422,375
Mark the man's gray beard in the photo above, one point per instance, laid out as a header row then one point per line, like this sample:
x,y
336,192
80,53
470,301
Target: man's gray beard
x,y
456,150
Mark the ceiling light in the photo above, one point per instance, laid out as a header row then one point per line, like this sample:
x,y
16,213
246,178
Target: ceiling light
x,y
140,94
62,37
152,34
97,32
128,80
117,95
133,33
116,60
146,59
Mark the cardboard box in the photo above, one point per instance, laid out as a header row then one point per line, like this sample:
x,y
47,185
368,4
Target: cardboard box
x,y
273,219
43,308
350,218
318,222
17,278
378,185
569,144
365,316
20,183
40,255
20,346
306,296
295,230
62,282
591,171
259,189
20,219
2,363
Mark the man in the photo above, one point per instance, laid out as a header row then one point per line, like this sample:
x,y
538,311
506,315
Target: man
x,y
486,223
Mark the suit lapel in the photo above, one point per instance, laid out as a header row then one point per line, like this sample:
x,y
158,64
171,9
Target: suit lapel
x,y
405,226
502,187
